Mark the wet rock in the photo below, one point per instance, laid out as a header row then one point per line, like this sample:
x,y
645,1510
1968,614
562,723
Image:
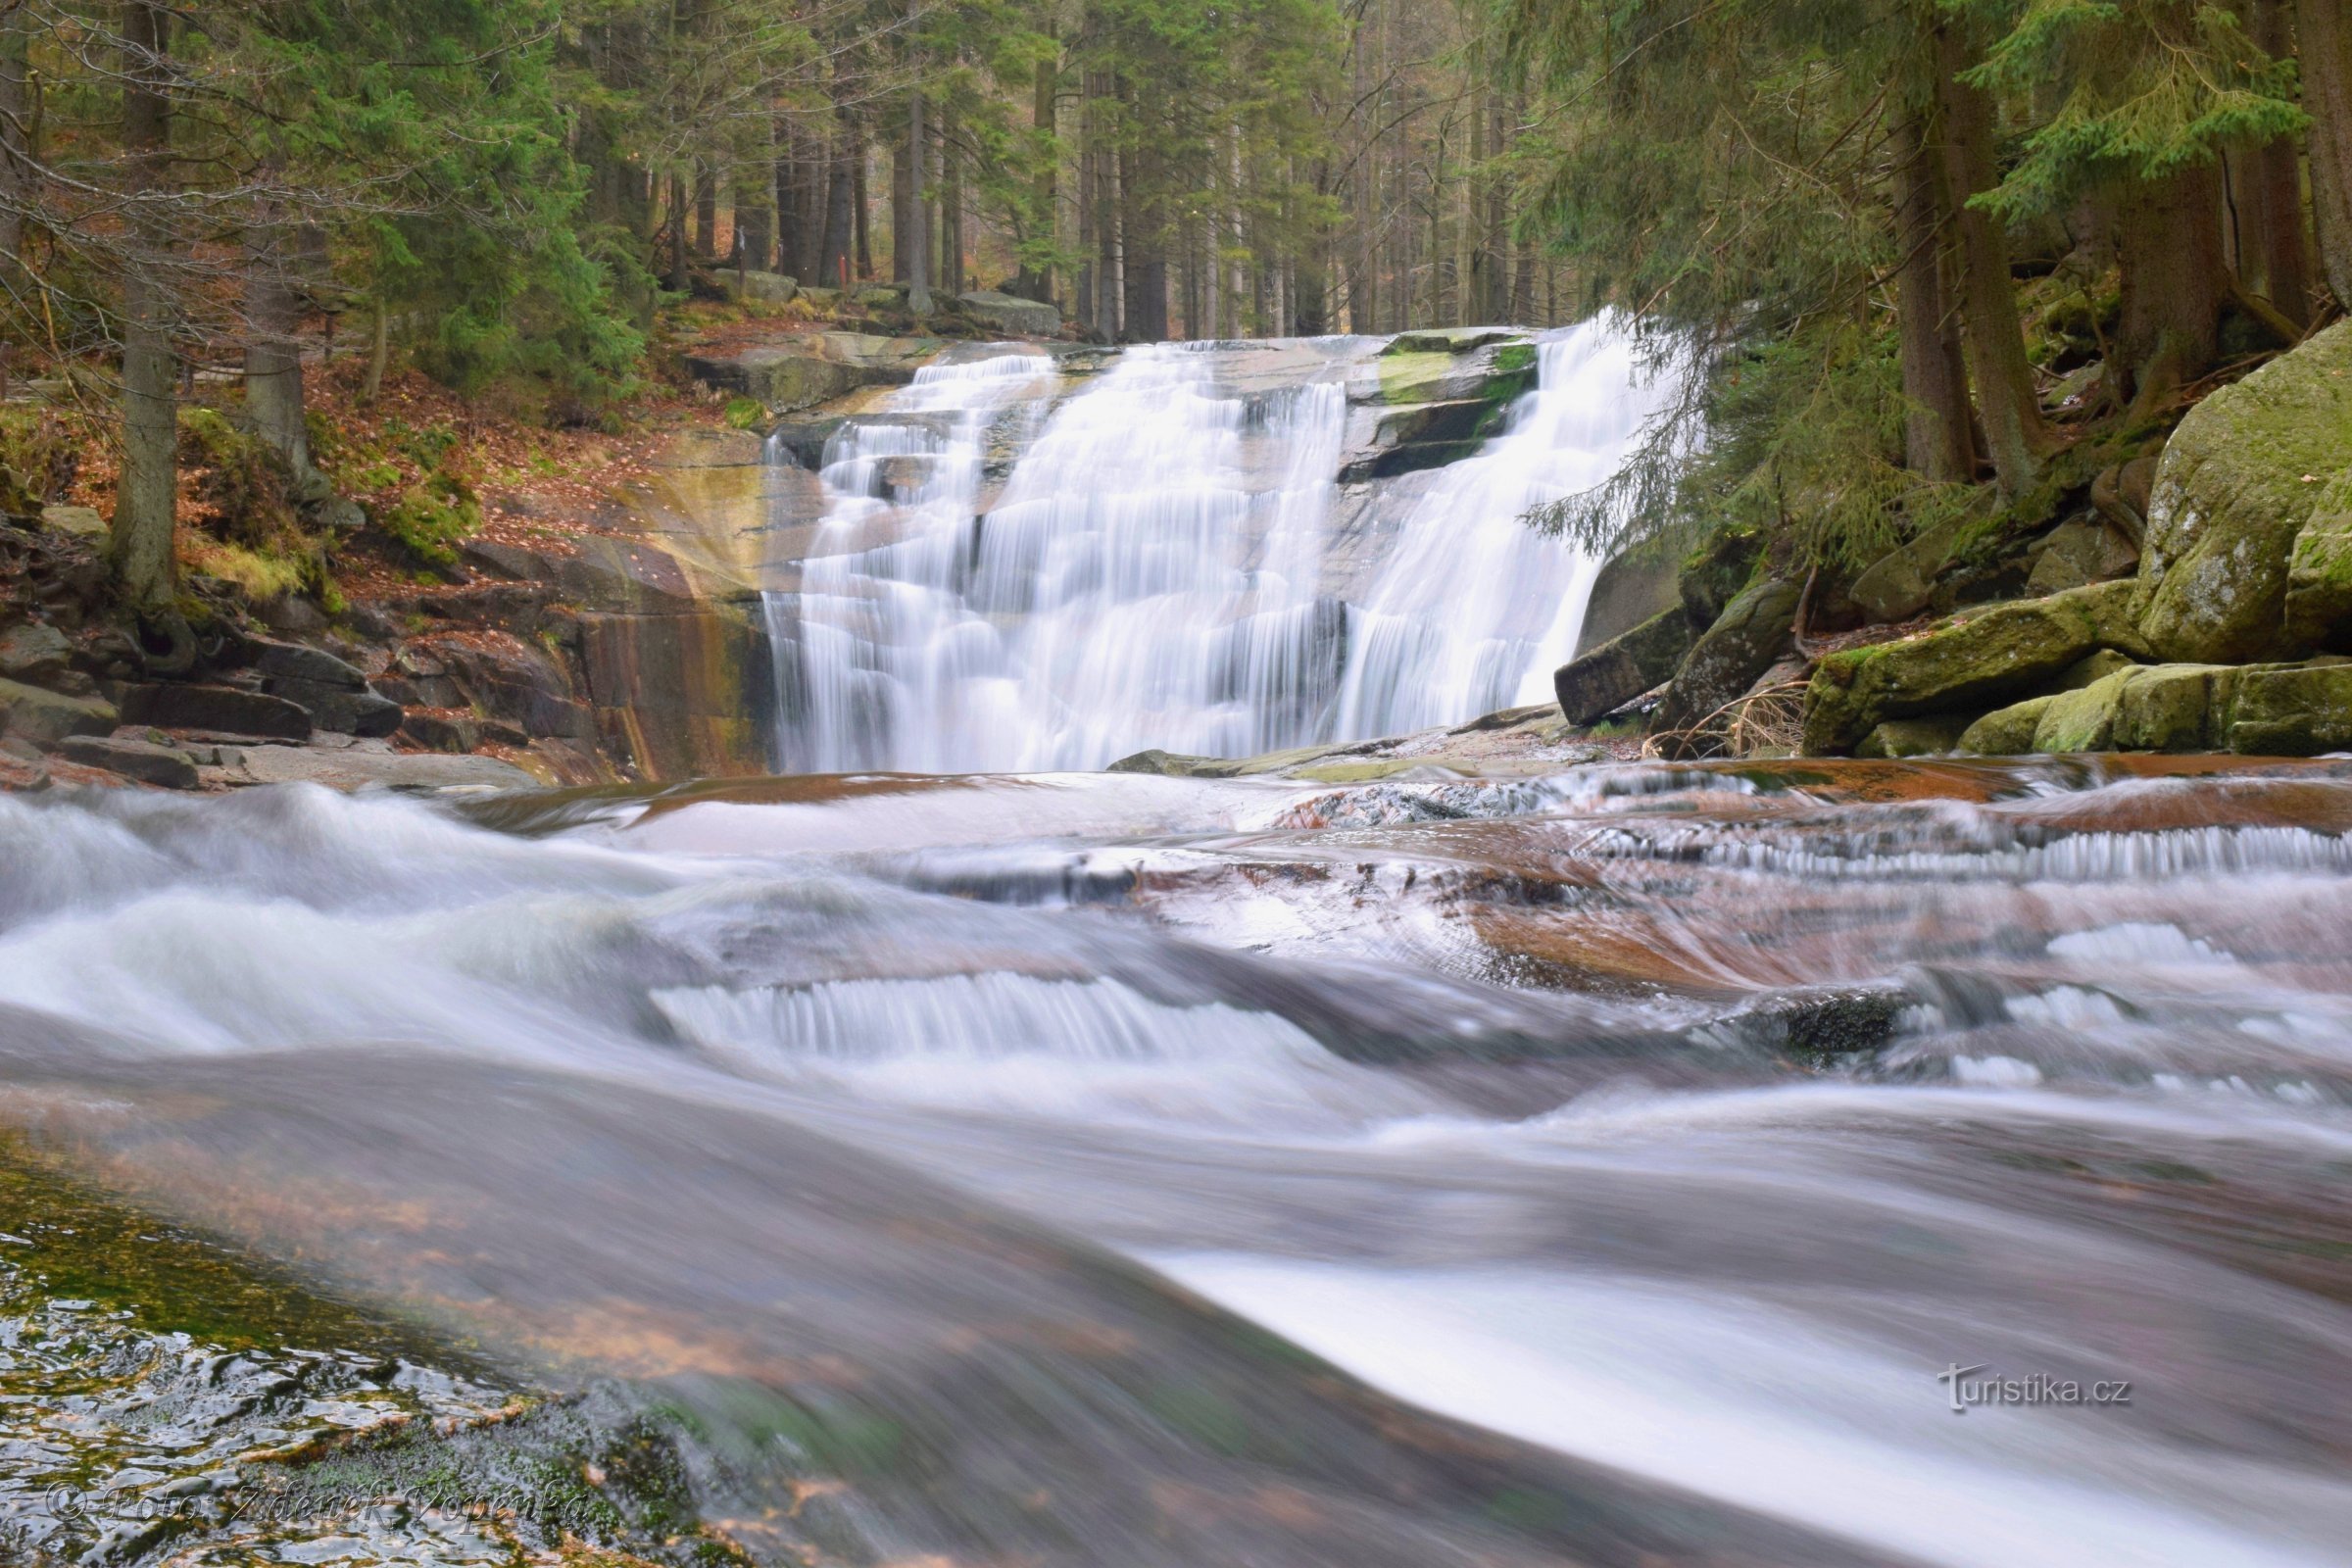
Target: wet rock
x,y
34,651
354,767
1616,673
1744,642
1914,737
1491,370
2002,652
2299,711
504,677
132,758
227,708
805,439
1012,315
1818,1024
441,731
1452,339
678,693
1424,436
2005,731
46,717
2249,471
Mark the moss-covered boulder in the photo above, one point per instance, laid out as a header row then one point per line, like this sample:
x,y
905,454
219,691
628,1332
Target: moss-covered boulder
x,y
1899,584
1914,737
1723,664
46,717
2005,731
1713,574
2007,651
2319,574
1622,668
2296,710
2239,484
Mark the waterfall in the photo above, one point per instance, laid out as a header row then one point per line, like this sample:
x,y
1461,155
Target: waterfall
x,y
1172,561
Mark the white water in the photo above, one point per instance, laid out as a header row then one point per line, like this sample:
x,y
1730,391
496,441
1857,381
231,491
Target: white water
x,y
1169,565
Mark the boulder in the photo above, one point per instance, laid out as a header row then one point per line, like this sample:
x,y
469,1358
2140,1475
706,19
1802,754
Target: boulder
x,y
1914,737
2006,651
2082,720
2319,574
2005,731
1012,316
442,731
44,718
1634,585
881,297
765,288
1491,370
34,651
2242,478
804,440
1714,574
2095,666
1452,339
132,758
812,368
2079,553
229,709
337,708
82,522
300,661
1424,436
2298,711
1621,669
1723,664
1899,584
2133,708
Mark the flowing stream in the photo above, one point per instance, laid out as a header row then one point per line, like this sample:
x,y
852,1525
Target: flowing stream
x,y
1077,1168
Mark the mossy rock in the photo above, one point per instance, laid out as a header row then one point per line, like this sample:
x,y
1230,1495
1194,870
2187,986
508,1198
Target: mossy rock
x,y
1713,574
1494,373
2299,711
1606,679
2241,481
1914,737
2005,731
2006,651
1751,632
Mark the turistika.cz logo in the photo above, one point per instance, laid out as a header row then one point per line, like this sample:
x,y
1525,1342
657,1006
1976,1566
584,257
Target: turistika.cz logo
x,y
1967,1390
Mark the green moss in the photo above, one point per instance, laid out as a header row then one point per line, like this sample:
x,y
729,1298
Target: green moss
x,y
1408,377
432,517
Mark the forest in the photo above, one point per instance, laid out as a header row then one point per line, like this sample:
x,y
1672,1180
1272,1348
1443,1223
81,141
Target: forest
x,y
1885,232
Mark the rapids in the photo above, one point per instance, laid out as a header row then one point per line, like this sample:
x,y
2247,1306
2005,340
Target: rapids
x,y
1116,1169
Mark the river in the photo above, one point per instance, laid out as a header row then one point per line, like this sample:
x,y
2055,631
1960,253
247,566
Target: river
x,y
1613,1164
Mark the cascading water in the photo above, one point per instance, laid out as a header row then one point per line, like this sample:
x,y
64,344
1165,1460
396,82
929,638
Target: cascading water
x,y
845,1138
1168,564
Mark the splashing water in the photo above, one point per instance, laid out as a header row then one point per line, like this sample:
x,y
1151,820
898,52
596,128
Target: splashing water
x,y
1170,564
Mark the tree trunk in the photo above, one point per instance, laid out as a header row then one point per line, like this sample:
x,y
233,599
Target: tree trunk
x,y
1037,282
1938,442
2015,437
146,496
273,390
951,202
917,249
2324,47
15,152
677,234
2174,282
705,211
841,191
2274,243
858,204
